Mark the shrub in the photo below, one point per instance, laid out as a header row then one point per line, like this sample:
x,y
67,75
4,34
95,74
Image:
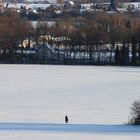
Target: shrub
x,y
135,113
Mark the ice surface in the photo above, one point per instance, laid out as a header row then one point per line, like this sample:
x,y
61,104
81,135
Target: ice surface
x,y
20,131
92,95
88,95
71,128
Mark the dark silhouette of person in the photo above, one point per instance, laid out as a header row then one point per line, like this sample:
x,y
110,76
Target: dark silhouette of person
x,y
66,119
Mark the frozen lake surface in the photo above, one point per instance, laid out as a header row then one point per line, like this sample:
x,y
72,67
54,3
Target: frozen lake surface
x,y
99,96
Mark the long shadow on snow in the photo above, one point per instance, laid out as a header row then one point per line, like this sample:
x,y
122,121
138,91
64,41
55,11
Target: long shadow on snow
x,y
84,128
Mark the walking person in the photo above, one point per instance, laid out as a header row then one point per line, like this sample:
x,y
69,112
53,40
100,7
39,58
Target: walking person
x,y
66,119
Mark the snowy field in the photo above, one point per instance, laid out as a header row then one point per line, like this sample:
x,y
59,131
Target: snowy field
x,y
35,98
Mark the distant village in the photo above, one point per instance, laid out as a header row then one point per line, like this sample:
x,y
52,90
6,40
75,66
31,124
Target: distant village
x,y
44,10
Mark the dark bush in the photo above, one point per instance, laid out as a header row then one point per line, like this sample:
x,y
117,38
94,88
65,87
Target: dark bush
x,y
135,113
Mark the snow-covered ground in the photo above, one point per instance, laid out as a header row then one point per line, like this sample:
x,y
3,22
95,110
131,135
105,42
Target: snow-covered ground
x,y
71,131
62,136
96,99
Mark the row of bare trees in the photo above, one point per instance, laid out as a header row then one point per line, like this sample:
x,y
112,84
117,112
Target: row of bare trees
x,y
116,35
13,30
98,37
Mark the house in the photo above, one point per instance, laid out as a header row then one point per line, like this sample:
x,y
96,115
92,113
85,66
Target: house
x,y
39,53
130,5
52,12
126,5
85,8
69,5
46,54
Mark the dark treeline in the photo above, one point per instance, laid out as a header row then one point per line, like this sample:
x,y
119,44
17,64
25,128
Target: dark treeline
x,y
105,38
13,30
95,38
